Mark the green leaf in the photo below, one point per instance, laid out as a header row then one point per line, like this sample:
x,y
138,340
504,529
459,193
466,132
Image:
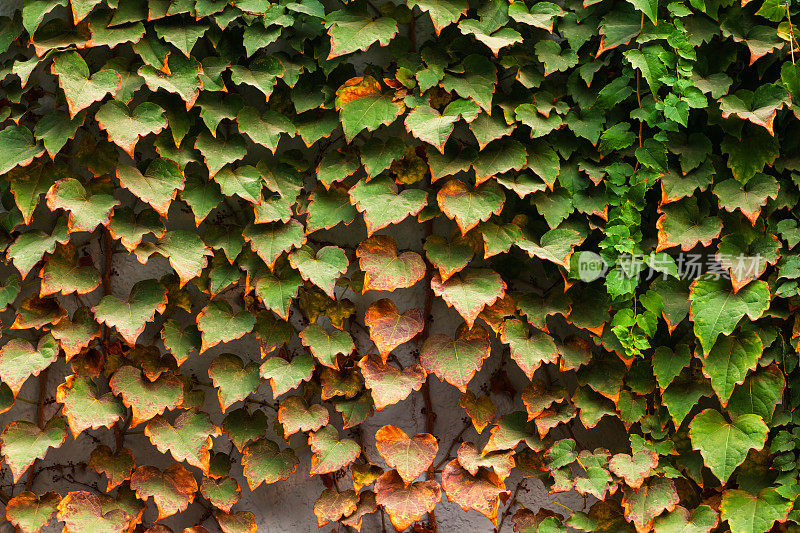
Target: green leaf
x,y
529,348
760,393
19,360
243,181
81,88
428,125
181,77
270,240
188,438
235,380
326,346
17,148
362,104
382,205
295,415
449,257
265,462
442,12
702,520
456,360
286,375
749,513
125,126
667,363
219,324
328,207
746,159
186,252
759,107
469,291
23,443
469,206
56,128
351,31
266,129
218,152
86,210
146,398
172,489
730,361
34,12
158,186
243,426
322,268
644,504
31,512
330,452
180,33
648,7
130,316
716,309
277,291
84,407
389,385
724,445
475,79
378,154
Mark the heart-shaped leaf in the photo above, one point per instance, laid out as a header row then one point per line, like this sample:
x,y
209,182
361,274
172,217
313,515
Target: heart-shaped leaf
x,y
235,380
130,317
24,442
322,268
219,324
456,360
469,291
724,445
117,466
125,126
146,398
326,346
31,512
295,415
81,88
384,269
286,375
172,489
84,407
158,186
387,383
405,503
330,452
411,456
480,492
264,462
382,205
86,210
188,439
20,360
388,329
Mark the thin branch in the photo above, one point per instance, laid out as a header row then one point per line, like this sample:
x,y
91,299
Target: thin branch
x,y
511,503
455,441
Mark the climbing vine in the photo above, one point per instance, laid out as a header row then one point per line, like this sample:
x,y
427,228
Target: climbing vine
x,y
233,232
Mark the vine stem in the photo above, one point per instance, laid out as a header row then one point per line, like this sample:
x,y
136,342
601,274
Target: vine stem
x,y
455,441
39,421
511,503
430,416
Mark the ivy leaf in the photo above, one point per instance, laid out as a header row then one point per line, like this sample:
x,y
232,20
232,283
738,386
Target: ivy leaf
x,y
188,439
84,407
329,207
31,512
469,206
475,78
146,398
56,128
378,154
219,324
716,309
754,513
449,257
76,334
442,12
682,224
181,34
730,361
387,383
644,504
384,269
322,268
480,409
295,415
172,489
351,31
724,445
456,360
470,458
555,245
125,126
222,493
634,469
759,107
480,492
235,380
286,375
760,393
23,443
158,186
411,456
179,341
332,505
238,522
182,76
17,148
218,152
81,88
388,329
529,347
746,159
702,520
82,509
748,198
20,360
130,316
327,346
266,129
362,104
510,430
117,466
382,205
29,247
469,291
86,211
264,462
331,453
242,426
430,126
405,503
269,241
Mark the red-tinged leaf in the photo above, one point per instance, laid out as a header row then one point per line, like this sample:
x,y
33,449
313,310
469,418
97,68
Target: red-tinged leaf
x,y
330,452
537,397
387,383
405,503
146,398
158,186
382,205
187,253
469,291
384,269
31,512
264,462
238,522
117,466
480,492
86,511
86,210
410,456
634,469
530,347
388,329
172,489
333,505
456,360
84,407
480,409
366,505
295,415
188,439
219,324
644,504
326,346
471,459
125,126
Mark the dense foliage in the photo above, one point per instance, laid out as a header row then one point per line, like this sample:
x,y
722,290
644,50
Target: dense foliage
x,y
224,144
